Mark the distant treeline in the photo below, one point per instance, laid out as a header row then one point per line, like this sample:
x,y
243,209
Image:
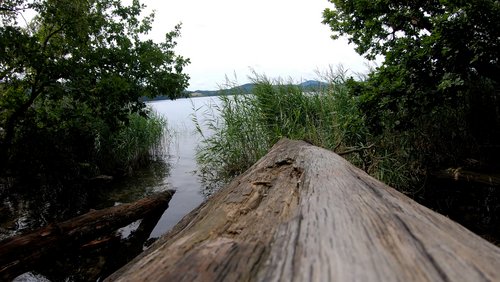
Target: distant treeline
x,y
307,86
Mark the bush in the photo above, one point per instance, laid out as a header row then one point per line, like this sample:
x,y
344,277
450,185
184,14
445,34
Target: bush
x,y
62,143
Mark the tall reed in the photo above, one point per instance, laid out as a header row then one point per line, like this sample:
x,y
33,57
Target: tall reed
x,y
236,137
142,139
245,126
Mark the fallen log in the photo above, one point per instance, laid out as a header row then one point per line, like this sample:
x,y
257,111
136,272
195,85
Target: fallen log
x,y
459,174
18,254
303,213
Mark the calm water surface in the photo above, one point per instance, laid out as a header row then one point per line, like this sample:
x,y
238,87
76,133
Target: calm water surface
x,y
176,171
182,178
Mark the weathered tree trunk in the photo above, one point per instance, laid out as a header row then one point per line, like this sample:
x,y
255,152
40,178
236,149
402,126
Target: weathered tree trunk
x,y
19,253
303,213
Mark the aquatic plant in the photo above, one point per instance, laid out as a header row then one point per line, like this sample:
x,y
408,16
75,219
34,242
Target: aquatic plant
x,y
243,127
141,139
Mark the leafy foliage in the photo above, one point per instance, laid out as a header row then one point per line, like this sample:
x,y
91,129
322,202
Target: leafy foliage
x,y
76,69
438,85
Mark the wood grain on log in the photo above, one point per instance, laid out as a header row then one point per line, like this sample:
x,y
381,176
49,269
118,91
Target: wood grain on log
x,y
303,213
19,253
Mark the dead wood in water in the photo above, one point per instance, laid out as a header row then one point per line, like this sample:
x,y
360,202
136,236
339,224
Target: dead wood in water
x,y
303,213
18,254
459,174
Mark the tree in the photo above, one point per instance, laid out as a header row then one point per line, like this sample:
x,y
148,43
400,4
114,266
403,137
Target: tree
x,y
440,70
76,67
462,36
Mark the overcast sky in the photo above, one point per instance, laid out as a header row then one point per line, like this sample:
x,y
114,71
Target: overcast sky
x,y
278,38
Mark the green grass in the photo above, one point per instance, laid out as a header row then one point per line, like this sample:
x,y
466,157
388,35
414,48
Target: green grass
x,y
243,127
236,138
141,140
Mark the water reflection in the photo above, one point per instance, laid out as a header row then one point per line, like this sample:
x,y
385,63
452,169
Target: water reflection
x,y
182,177
141,183
36,205
28,207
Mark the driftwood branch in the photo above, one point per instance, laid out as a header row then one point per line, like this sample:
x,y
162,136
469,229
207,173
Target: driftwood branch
x,y
355,150
459,174
18,254
303,213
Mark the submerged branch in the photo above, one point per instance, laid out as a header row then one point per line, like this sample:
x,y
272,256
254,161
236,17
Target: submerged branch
x,y
21,252
459,174
355,150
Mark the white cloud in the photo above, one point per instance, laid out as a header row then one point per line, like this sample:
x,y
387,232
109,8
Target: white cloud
x,y
276,37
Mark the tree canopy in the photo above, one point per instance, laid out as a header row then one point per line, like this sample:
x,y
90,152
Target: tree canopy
x,y
440,70
466,33
76,67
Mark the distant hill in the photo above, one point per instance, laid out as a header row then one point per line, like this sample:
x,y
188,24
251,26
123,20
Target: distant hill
x,y
309,85
245,89
313,84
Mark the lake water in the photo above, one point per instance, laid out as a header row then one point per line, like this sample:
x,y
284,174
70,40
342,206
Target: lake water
x,y
182,178
176,171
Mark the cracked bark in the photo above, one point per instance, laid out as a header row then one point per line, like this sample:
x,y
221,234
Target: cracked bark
x,y
303,213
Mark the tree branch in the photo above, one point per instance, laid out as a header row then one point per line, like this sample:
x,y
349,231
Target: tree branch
x,y
459,174
354,150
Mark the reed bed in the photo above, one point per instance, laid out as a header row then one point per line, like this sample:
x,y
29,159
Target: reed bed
x,y
143,139
243,127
